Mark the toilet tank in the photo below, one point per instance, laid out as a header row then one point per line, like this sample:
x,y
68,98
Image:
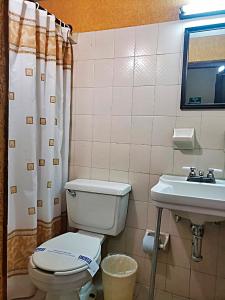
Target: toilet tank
x,y
97,206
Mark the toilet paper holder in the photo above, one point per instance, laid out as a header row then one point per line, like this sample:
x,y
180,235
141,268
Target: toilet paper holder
x,y
163,239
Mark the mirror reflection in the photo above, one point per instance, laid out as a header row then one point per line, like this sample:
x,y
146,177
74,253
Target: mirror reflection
x,y
204,81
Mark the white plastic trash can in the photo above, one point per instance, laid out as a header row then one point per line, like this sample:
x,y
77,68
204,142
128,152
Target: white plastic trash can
x,y
118,277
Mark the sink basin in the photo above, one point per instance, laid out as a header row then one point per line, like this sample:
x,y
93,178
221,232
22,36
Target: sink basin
x,y
198,202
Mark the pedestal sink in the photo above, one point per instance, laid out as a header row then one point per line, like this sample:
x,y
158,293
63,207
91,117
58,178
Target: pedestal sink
x,y
198,202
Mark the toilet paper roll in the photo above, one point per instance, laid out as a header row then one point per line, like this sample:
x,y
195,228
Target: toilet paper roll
x,y
148,243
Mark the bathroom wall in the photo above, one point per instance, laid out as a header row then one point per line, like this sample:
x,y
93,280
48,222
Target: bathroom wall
x,y
126,103
92,15
3,142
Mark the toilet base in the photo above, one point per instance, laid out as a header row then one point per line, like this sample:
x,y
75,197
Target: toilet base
x,y
87,292
70,296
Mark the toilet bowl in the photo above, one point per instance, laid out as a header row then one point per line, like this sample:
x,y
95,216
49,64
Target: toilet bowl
x,y
60,275
63,266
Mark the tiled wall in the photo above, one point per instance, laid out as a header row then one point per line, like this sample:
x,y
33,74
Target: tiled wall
x,y
3,142
126,103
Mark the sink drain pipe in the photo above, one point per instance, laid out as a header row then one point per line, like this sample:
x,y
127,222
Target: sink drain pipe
x,y
197,235
155,254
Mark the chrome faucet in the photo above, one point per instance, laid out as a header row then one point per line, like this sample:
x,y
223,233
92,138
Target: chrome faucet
x,y
209,178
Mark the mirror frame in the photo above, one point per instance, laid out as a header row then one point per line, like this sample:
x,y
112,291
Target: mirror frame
x,y
187,32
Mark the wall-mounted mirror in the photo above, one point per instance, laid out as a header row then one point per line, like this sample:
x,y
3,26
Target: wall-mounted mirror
x,y
203,78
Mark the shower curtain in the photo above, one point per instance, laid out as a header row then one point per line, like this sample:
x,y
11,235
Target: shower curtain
x,y
40,66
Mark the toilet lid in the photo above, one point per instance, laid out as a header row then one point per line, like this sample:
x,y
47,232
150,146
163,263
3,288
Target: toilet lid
x,y
61,253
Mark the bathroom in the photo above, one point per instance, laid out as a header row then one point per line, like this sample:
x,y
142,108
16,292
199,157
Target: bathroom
x,y
120,70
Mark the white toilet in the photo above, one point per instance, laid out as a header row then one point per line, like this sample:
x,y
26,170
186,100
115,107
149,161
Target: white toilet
x,y
59,266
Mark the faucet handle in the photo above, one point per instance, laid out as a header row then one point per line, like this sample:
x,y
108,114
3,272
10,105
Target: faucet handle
x,y
211,172
215,170
191,169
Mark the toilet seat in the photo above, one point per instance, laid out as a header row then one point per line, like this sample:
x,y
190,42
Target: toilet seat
x,y
60,262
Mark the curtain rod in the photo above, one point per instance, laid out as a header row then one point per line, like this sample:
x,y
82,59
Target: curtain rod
x,y
58,21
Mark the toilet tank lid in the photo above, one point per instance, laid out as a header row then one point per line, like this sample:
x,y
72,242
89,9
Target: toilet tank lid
x,y
99,187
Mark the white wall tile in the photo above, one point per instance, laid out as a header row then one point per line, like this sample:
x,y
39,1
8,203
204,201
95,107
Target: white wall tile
x,y
83,101
137,214
170,37
121,129
123,71
102,128
141,131
161,160
177,281
122,101
168,70
99,174
213,127
102,101
79,172
73,103
163,131
83,128
143,101
166,100
202,286
212,159
103,74
140,158
72,153
140,186
100,155
104,44
82,153
185,158
162,295
120,157
72,132
146,39
85,46
113,112
134,241
75,52
124,42
118,176
84,73
145,70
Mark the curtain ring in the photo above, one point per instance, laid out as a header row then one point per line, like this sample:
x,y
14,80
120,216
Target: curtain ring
x,y
37,5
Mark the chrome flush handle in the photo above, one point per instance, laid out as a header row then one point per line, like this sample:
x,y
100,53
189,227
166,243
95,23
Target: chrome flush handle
x,y
72,193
